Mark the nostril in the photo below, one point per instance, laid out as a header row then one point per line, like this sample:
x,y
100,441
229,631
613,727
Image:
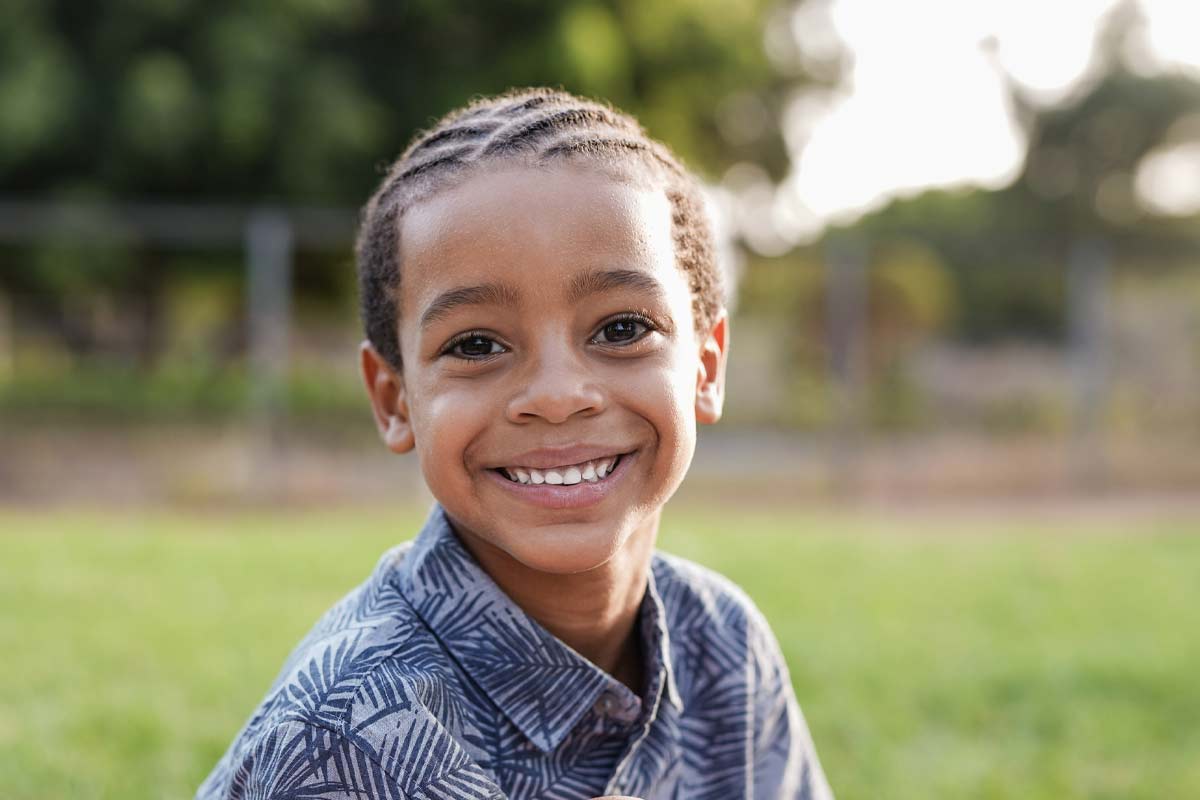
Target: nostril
x,y
554,389
555,407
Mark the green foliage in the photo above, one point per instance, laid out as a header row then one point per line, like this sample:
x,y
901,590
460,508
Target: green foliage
x,y
912,278
37,89
100,392
306,101
790,286
299,100
1019,659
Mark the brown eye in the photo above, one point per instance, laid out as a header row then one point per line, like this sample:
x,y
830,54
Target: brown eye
x,y
621,331
475,346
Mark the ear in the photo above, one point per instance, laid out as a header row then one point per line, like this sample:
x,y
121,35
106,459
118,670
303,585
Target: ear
x,y
710,374
389,401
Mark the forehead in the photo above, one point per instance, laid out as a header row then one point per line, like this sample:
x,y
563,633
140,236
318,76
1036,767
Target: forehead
x,y
534,226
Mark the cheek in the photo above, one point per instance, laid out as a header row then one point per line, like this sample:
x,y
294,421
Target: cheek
x,y
666,397
665,394
447,418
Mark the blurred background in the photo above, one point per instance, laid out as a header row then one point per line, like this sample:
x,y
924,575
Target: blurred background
x,y
963,425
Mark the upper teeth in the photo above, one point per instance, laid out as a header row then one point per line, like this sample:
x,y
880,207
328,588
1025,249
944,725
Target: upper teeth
x,y
590,471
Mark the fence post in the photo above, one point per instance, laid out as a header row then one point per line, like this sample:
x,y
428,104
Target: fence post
x,y
846,305
8,344
269,256
1089,270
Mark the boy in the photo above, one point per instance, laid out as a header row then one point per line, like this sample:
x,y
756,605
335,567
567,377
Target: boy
x,y
545,329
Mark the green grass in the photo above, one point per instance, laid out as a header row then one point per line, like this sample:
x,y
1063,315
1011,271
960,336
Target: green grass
x,y
954,659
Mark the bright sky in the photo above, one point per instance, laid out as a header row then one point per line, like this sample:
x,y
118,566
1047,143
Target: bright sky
x,y
925,104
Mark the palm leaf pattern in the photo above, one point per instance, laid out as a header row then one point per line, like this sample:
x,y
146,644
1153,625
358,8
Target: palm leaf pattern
x,y
428,682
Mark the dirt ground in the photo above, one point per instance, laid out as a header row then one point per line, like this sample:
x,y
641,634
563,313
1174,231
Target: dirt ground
x,y
239,466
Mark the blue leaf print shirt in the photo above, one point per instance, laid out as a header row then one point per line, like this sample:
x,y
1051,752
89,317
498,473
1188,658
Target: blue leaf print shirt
x,y
427,681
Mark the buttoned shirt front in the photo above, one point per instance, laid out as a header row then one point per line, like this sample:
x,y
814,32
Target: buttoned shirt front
x,y
427,681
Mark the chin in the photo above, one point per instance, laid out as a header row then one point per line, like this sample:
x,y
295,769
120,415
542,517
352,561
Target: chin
x,y
566,552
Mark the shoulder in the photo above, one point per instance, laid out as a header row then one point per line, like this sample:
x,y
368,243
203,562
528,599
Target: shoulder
x,y
732,674
696,596
367,680
370,626
710,619
296,758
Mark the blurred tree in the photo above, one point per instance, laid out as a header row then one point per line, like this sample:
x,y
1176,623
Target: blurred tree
x,y
304,101
1006,249
300,100
1078,177
992,264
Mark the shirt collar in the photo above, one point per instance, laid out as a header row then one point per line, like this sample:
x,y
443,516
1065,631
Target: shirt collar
x,y
660,673
538,682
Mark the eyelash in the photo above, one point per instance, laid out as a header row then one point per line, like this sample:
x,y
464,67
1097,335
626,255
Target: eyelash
x,y
647,326
449,349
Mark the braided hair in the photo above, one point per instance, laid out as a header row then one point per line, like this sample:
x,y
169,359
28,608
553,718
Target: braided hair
x,y
534,127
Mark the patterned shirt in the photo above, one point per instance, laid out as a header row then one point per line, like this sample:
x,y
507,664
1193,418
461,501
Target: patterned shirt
x,y
427,681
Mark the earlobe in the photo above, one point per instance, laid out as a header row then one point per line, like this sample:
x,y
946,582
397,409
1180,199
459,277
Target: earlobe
x,y
389,401
710,374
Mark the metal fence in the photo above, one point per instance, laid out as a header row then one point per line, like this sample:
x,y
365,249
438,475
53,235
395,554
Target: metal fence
x,y
270,239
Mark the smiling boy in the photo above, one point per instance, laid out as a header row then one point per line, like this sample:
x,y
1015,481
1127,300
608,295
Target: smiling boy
x,y
545,330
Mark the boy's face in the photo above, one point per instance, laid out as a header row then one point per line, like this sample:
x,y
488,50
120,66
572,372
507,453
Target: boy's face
x,y
547,335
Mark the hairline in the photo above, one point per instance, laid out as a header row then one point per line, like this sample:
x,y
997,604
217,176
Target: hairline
x,y
648,178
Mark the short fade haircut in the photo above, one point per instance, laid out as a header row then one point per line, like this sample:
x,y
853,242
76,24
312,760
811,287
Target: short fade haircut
x,y
532,127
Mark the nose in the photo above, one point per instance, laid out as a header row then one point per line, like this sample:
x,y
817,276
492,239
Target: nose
x,y
557,385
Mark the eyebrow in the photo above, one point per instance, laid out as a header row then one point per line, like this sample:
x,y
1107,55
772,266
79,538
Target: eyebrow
x,y
502,294
601,281
497,294
608,280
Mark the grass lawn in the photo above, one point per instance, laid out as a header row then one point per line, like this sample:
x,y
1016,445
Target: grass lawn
x,y
934,657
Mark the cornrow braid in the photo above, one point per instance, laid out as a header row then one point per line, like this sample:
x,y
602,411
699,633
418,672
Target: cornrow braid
x,y
465,132
530,126
456,157
530,133
603,146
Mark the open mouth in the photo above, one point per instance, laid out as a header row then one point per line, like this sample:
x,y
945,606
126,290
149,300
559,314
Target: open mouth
x,y
594,471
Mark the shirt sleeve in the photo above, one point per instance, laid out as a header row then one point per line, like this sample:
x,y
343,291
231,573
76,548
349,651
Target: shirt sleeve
x,y
299,759
785,764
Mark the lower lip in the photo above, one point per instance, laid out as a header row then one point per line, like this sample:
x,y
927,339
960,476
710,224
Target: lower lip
x,y
577,495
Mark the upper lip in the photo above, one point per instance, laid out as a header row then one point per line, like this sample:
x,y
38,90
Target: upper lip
x,y
549,457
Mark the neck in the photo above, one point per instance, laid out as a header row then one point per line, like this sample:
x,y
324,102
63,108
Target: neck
x,y
595,612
